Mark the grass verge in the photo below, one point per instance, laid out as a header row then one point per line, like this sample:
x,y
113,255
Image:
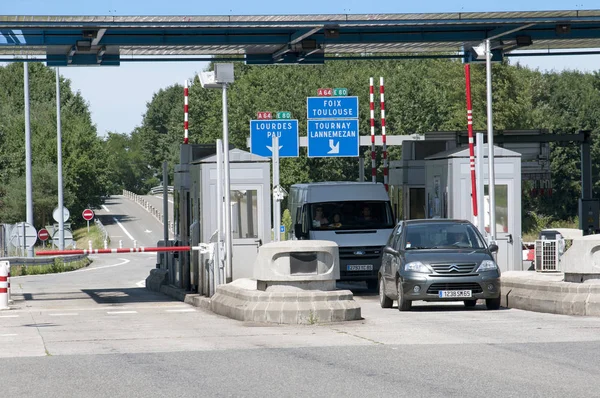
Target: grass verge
x,y
54,268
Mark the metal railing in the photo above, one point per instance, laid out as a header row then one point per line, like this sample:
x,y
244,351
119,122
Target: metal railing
x,y
156,213
159,189
100,226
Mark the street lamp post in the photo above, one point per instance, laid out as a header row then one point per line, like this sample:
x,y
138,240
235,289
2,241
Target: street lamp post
x,y
221,77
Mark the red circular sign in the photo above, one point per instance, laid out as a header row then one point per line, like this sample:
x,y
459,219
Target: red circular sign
x,y
43,234
88,214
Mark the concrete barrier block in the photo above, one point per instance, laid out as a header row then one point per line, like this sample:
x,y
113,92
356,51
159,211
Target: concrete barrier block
x,y
290,312
273,312
259,314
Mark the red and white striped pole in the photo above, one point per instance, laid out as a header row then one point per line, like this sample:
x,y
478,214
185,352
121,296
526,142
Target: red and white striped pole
x,y
372,107
4,271
470,129
385,159
185,113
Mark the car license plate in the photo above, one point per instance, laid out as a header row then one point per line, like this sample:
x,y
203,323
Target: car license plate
x,y
360,267
455,293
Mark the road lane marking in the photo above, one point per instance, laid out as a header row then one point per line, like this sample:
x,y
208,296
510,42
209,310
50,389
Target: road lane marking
x,y
124,261
123,228
141,283
120,312
65,314
105,208
160,197
8,335
9,316
182,310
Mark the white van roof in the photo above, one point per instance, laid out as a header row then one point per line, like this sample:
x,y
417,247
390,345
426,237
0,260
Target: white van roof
x,y
336,191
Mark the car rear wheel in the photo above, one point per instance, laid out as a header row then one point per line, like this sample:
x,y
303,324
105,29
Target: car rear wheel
x,y
384,300
492,304
403,303
470,303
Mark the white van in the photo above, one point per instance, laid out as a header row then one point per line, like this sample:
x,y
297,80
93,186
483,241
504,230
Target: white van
x,y
356,215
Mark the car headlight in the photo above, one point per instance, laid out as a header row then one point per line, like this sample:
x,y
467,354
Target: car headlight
x,y
417,266
487,265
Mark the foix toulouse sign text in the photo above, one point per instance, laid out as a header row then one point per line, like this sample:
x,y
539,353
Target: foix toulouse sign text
x,y
332,126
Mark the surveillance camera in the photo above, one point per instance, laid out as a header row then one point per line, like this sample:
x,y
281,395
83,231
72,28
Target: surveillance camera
x,y
207,79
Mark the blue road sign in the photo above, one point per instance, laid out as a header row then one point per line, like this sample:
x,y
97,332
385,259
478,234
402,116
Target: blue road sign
x,y
332,107
261,136
333,138
282,229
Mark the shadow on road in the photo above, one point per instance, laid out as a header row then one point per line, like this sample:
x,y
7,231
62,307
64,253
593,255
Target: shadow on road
x,y
357,288
126,295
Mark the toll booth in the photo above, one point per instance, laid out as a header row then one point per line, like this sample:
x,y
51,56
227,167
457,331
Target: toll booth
x,y
250,180
178,263
448,195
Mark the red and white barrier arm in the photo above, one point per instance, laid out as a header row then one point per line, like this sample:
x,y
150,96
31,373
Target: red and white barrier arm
x,y
203,248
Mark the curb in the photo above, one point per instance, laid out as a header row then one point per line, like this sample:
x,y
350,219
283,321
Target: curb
x,y
563,298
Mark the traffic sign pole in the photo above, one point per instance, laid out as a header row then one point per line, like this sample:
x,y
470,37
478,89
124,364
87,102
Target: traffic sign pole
x,y
276,202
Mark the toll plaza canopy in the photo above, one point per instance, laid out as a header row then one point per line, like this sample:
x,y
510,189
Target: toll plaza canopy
x,y
309,39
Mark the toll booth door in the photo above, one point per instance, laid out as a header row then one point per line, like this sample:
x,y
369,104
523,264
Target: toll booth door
x,y
505,237
415,203
247,228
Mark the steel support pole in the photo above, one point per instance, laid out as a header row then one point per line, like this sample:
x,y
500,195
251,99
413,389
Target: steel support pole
x,y
586,170
361,169
276,202
61,221
228,237
165,179
220,210
28,177
490,131
479,170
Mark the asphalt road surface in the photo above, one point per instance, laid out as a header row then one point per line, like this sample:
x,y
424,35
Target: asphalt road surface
x,y
98,332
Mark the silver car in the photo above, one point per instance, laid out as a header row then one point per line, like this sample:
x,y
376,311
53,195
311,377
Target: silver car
x,y
438,260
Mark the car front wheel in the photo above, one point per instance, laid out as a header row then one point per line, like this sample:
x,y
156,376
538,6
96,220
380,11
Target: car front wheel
x,y
492,304
384,300
403,303
470,303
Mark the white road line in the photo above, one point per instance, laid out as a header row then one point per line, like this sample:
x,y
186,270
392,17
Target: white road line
x,y
7,335
124,261
141,283
65,314
123,228
160,197
183,310
9,316
121,312
105,208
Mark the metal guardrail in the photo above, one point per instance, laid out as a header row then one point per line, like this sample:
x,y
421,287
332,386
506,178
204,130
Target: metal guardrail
x,y
102,229
156,213
43,260
159,189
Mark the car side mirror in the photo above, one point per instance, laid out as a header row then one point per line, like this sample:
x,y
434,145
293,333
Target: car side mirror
x,y
298,231
391,251
493,248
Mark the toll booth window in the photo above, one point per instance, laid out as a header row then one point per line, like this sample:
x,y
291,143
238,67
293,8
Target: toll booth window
x,y
244,213
502,210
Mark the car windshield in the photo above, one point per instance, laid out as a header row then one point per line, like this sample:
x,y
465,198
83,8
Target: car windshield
x,y
351,215
443,235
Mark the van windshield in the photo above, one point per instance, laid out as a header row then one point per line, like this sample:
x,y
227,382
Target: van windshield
x,y
351,215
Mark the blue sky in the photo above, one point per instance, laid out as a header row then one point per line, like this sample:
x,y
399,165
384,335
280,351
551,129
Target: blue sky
x,y
118,95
